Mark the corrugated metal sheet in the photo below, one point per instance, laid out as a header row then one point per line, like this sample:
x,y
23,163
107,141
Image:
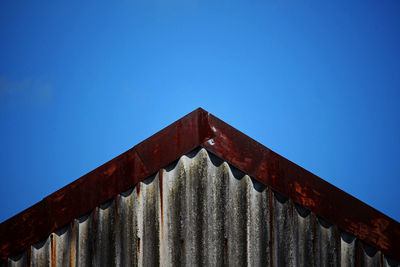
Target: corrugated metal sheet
x,y
200,211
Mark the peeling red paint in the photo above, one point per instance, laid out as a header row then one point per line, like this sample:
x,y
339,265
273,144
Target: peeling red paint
x,y
199,128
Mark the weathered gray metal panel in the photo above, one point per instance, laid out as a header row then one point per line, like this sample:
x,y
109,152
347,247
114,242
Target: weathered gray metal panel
x,y
149,222
41,254
371,257
127,232
347,250
327,238
258,235
283,232
304,236
84,241
200,211
105,245
19,260
62,246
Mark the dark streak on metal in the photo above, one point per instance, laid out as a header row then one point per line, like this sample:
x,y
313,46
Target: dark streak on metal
x,y
314,229
116,200
117,224
291,206
166,146
359,254
336,234
182,251
226,252
138,248
93,233
160,182
271,225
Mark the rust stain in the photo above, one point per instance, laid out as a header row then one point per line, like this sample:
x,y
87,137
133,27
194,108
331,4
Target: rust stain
x,y
380,227
374,233
357,228
306,200
72,253
380,223
53,245
110,170
138,189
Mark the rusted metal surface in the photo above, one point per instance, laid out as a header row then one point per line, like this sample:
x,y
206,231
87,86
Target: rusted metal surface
x,y
87,195
108,180
305,188
200,211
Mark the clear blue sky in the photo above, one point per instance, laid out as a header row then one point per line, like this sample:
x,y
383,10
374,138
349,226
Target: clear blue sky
x,y
83,81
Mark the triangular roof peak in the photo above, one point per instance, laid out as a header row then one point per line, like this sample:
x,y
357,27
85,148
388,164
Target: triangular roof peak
x,y
199,129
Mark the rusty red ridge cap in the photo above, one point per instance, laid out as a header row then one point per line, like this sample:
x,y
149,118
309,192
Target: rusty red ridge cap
x,y
199,128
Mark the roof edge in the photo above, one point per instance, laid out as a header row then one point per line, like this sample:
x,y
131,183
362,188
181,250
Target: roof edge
x,y
199,128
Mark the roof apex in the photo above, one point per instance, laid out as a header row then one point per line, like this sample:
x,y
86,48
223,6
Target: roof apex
x,y
199,129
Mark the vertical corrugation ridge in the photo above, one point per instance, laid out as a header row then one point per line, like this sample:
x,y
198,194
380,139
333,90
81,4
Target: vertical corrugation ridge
x,y
371,256
347,250
214,212
117,242
172,238
328,254
271,226
284,252
149,218
128,228
19,260
236,219
390,262
84,237
194,210
62,244
41,253
105,249
257,226
200,211
72,248
303,236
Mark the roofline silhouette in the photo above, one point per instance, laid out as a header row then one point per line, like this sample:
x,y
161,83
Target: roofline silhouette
x,y
199,129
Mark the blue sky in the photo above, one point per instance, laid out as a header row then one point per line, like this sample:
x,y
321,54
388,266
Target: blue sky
x,y
83,81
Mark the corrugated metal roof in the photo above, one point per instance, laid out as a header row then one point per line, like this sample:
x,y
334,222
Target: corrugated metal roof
x,y
200,211
27,230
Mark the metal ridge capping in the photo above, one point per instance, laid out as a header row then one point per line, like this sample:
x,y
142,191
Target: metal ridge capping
x,y
199,128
